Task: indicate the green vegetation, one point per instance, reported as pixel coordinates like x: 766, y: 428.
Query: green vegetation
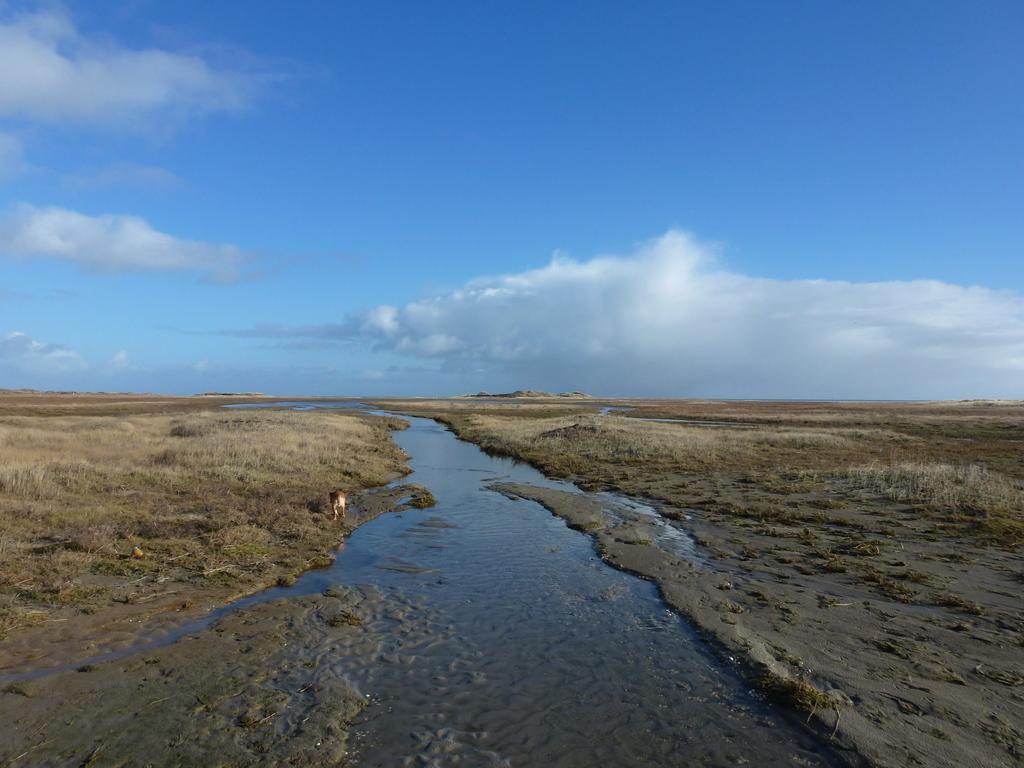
x: 345, y: 618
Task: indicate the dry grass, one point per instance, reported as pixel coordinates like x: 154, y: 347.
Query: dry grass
x: 213, y: 498
x: 567, y: 444
x: 964, y: 487
x: 931, y: 455
x: 990, y: 502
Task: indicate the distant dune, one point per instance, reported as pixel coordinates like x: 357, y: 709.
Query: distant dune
x: 230, y: 394
x: 522, y: 393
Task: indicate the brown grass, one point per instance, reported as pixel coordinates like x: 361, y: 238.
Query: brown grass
x: 796, y: 693
x: 213, y: 498
x: 991, y: 503
x: 959, y: 463
x: 566, y: 444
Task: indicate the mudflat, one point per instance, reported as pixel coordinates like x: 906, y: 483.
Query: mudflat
x: 862, y: 561
x: 268, y: 685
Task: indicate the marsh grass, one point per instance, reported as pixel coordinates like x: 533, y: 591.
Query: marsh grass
x: 989, y: 503
x: 793, y: 450
x: 221, y: 498
x: 568, y: 444
x: 422, y: 499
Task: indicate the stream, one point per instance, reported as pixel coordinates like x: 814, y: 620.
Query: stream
x: 539, y: 654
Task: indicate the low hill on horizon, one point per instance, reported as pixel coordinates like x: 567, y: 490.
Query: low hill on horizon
x: 526, y: 393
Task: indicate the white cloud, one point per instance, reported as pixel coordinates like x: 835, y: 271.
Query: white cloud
x: 382, y: 320
x: 23, y: 354
x: 50, y: 71
x: 668, y: 320
x: 110, y: 243
x: 120, y: 359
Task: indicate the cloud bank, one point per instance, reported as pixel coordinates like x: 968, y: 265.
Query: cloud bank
x: 668, y: 320
x: 110, y: 243
x: 22, y: 354
x: 49, y: 71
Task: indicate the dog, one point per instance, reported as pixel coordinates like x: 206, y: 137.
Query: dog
x: 338, y: 504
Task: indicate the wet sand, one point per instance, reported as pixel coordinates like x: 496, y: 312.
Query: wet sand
x: 263, y: 687
x: 862, y: 560
x: 900, y: 684
x: 258, y: 681
x: 545, y: 655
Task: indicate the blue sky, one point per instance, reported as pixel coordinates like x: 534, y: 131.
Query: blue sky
x: 805, y: 199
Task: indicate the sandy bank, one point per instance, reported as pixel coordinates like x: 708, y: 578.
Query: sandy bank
x: 122, y: 625
x: 894, y: 682
x: 272, y: 684
x: 264, y: 686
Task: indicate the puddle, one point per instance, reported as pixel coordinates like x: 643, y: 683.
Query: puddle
x: 613, y: 408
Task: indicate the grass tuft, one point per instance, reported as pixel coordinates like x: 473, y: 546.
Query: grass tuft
x: 795, y: 692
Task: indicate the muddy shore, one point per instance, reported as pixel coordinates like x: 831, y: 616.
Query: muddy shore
x: 85, y: 636
x: 245, y: 690
x: 892, y: 682
x: 243, y: 693
x: 864, y: 561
